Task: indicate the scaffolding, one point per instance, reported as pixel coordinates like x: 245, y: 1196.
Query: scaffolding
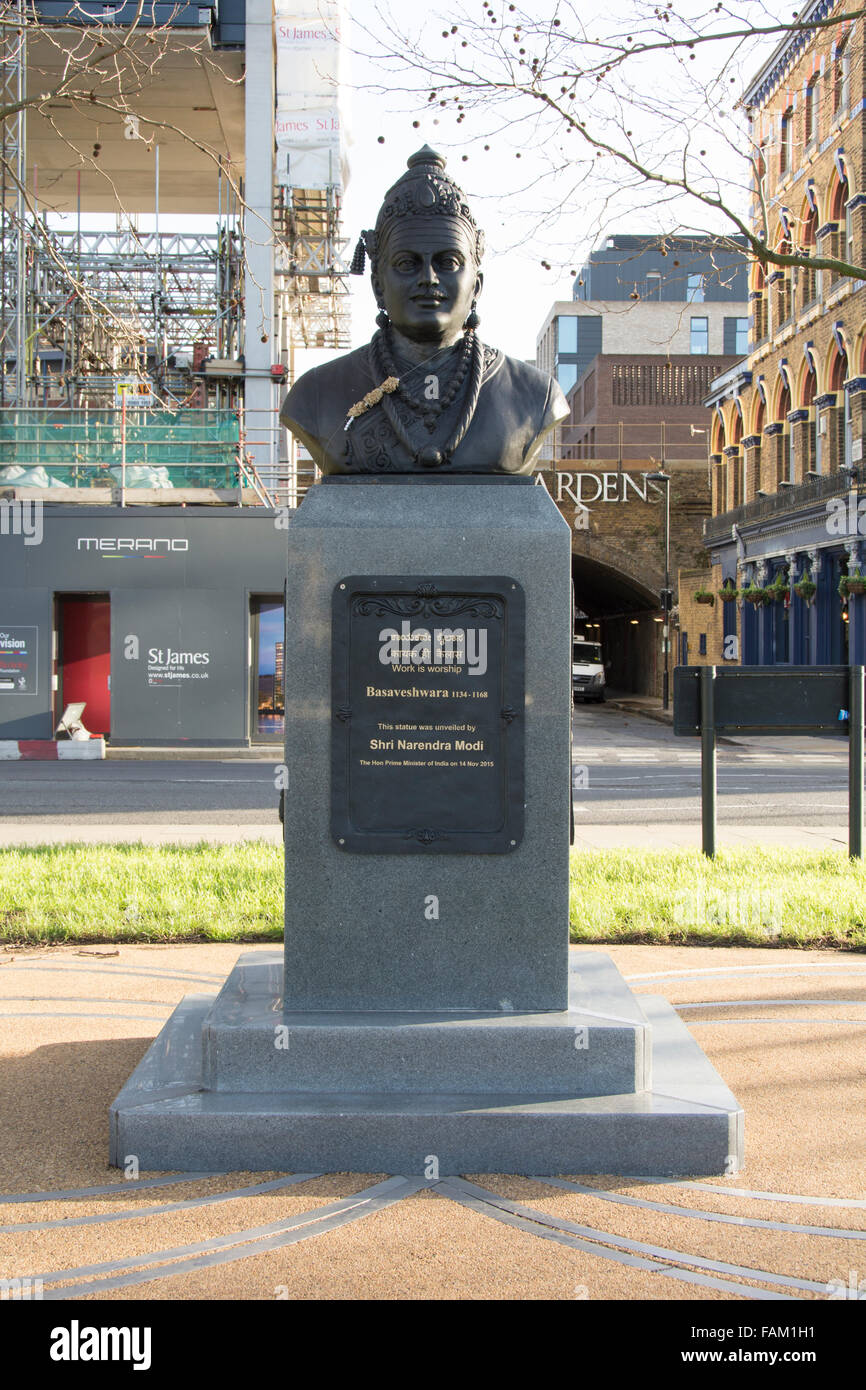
x: 83, y: 306
x: 311, y: 267
x: 13, y: 250
x: 90, y: 316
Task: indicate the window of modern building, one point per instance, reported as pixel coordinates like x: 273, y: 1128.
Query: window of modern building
x: 569, y: 335
x: 736, y: 336
x: 566, y: 335
x: 566, y: 375
x: 695, y: 289
x: 700, y: 336
x: 654, y: 285
x: 810, y: 114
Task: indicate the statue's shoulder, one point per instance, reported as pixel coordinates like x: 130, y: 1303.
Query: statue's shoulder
x: 340, y: 374
x: 316, y: 407
x: 537, y: 389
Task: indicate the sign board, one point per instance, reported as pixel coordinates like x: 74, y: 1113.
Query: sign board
x: 764, y: 699
x: 427, y: 715
x: 18, y: 652
x: 137, y: 393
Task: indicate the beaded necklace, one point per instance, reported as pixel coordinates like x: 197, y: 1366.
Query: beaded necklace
x: 429, y: 410
x: 471, y: 362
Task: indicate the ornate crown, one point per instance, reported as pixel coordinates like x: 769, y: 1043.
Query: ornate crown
x: 424, y: 190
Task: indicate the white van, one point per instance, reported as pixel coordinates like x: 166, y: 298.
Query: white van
x: 587, y: 670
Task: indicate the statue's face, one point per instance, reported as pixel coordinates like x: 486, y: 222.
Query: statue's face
x: 427, y: 278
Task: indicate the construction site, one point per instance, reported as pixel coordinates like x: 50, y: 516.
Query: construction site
x: 170, y: 246
x: 159, y: 268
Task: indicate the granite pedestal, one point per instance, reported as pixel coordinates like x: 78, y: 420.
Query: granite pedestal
x: 390, y: 1032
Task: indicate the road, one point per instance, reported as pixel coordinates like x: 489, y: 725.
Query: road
x: 629, y: 770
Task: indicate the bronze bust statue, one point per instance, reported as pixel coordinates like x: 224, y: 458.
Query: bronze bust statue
x: 425, y: 395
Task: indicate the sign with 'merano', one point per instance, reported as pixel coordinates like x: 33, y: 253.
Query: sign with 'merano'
x: 428, y: 715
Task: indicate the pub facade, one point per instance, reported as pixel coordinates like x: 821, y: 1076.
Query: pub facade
x: 787, y: 534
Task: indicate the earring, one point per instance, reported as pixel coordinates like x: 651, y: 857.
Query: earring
x: 382, y: 319
x: 473, y: 320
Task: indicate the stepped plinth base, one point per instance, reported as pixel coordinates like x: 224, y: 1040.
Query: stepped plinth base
x: 236, y: 1082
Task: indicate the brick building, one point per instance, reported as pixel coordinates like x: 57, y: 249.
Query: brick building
x: 789, y: 421
x: 652, y: 324
x: 627, y: 407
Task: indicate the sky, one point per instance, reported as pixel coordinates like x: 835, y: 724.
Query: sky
x: 526, y: 222
x: 518, y: 290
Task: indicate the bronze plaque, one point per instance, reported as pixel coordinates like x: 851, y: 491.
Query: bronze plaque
x: 428, y: 714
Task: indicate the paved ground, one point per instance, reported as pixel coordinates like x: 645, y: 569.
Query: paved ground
x: 784, y: 1028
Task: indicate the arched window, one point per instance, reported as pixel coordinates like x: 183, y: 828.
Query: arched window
x: 717, y: 444
x: 840, y: 429
x: 786, y: 141
x: 785, y: 450
x: 758, y: 298
x: 810, y: 109
x: 811, y: 439
x: 808, y: 284
x: 841, y: 76
x: 781, y: 280
x: 757, y: 449
x: 735, y: 461
x: 840, y: 215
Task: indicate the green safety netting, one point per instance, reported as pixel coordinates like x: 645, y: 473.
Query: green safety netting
x: 84, y: 448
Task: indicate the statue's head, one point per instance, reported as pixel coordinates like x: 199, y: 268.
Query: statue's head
x: 425, y: 253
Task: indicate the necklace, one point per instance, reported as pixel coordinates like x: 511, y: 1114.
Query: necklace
x: 471, y: 362
x: 431, y: 408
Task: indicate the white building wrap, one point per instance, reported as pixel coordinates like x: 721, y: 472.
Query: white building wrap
x: 310, y: 93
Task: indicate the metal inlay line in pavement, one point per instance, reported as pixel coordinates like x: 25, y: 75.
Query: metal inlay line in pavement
x: 130, y: 1185
x: 44, y: 1013
x: 781, y: 971
x: 783, y: 1003
x: 135, y: 1213
x: 857, y: 1202
x: 618, y: 1248
x: 81, y: 999
x: 724, y: 1022
x: 122, y: 970
x: 223, y: 1249
x: 691, y: 1214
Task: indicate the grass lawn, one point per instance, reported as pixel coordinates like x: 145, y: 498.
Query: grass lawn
x: 109, y: 893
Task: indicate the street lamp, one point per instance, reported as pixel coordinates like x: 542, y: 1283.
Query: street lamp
x: 666, y: 591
